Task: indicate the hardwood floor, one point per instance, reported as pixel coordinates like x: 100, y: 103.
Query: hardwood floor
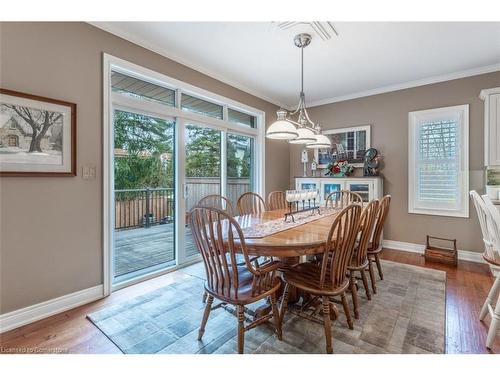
x: 466, y: 289
x: 70, y: 332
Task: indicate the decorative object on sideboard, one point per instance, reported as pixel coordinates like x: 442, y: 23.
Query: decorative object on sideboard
x: 339, y: 168
x: 302, y: 130
x: 304, y: 158
x: 37, y: 135
x: 295, y: 197
x: 441, y: 254
x: 372, y: 162
x: 346, y: 144
x: 314, y: 167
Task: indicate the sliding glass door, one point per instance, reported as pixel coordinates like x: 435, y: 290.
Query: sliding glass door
x: 202, y: 172
x: 167, y: 145
x: 240, y: 171
x: 144, y: 194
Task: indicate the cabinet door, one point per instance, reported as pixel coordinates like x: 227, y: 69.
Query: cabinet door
x: 329, y: 186
x: 306, y: 184
x: 363, y: 188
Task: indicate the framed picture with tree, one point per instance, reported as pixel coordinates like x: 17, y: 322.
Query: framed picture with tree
x: 37, y: 135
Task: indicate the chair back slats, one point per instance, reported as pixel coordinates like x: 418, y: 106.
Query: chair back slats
x: 366, y: 227
x: 339, y: 247
x: 489, y: 223
x: 217, y: 201
x: 276, y: 200
x: 493, y: 224
x: 209, y: 228
x: 383, y: 211
x: 219, y: 238
x: 251, y: 203
x: 343, y: 198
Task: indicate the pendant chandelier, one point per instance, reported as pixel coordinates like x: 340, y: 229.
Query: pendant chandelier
x: 303, y: 130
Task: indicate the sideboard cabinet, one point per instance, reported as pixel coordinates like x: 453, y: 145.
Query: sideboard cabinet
x: 368, y: 187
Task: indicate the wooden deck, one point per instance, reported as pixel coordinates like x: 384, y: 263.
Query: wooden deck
x: 141, y: 248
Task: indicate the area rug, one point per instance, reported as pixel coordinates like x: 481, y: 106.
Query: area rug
x: 407, y: 315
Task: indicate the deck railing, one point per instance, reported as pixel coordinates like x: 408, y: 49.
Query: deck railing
x: 151, y: 206
x: 143, y: 207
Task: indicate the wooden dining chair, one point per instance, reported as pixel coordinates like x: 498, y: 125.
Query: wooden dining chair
x: 217, y: 201
x: 343, y: 198
x: 375, y: 246
x: 251, y: 203
x: 489, y: 220
x: 360, y: 262
x: 276, y: 200
x: 216, y: 234
x: 328, y: 278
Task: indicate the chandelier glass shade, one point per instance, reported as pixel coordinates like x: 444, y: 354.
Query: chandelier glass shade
x: 322, y: 141
x: 281, y: 128
x: 305, y: 136
x: 303, y: 130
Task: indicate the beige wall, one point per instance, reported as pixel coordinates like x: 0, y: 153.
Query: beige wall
x: 50, y: 228
x: 388, y: 115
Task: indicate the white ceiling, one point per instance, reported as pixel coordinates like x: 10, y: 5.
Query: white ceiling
x: 366, y: 58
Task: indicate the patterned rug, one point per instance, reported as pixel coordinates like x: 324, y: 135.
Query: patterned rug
x: 407, y: 315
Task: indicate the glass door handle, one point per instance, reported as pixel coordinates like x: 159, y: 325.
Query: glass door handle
x: 185, y: 190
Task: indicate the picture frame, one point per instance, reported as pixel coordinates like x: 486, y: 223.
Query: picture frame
x: 350, y: 143
x: 37, y: 135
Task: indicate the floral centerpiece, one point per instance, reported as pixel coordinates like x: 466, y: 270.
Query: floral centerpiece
x: 339, y: 168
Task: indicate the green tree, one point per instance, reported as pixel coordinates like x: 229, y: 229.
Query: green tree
x: 141, y: 141
x: 144, y: 139
x: 202, y: 152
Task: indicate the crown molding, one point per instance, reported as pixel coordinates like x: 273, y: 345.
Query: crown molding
x: 161, y: 51
x: 379, y: 90
x: 409, y: 84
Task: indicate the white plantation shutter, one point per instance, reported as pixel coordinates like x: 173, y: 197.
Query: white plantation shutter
x: 438, y: 161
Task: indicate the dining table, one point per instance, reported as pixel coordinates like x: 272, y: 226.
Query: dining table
x: 288, y: 242
x: 303, y: 239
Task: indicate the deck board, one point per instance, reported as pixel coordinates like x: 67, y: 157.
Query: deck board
x: 140, y: 248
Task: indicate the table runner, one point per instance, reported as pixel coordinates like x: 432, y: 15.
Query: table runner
x: 279, y: 225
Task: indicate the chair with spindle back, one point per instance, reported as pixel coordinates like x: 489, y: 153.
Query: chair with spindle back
x: 342, y: 198
x: 251, y: 203
x: 328, y: 278
x: 217, y: 201
x: 360, y: 262
x: 489, y: 220
x: 219, y: 238
x: 222, y: 203
x: 375, y: 246
x: 276, y: 200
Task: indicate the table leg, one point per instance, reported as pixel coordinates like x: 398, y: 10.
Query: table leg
x: 293, y: 294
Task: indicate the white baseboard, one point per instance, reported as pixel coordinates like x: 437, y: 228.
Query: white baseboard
x: 48, y: 308
x: 470, y: 256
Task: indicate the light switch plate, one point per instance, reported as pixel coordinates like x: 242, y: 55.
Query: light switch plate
x: 88, y: 172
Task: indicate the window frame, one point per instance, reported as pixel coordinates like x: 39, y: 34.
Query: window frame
x: 113, y: 100
x: 414, y: 119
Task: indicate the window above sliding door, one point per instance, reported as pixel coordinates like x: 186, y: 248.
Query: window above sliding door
x: 438, y: 168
